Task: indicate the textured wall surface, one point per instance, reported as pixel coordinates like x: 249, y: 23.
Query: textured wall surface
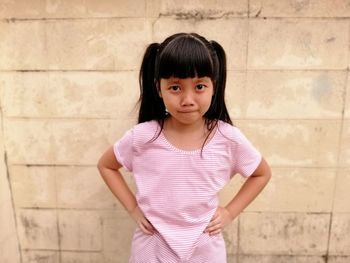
x: 68, y: 87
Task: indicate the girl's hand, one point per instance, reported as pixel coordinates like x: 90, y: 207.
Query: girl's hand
x: 221, y: 219
x: 142, y: 221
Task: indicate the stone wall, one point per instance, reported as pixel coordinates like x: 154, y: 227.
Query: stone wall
x: 68, y: 87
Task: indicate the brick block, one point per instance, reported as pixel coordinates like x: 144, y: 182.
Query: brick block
x: 312, y: 191
x: 235, y: 94
x: 17, y: 42
x: 295, y: 94
x: 344, y: 158
x: 33, y: 186
x: 82, y: 187
x: 114, y: 257
x: 347, y: 102
x: 9, y: 249
x: 38, y: 9
x: 81, y: 257
x: 298, y: 44
x: 84, y: 141
x: 339, y: 259
x: 235, y: 47
x: 340, y: 241
x: 38, y: 256
x: 28, y: 141
x: 341, y: 195
x: 118, y: 230
x: 93, y: 94
x: 22, y: 9
x: 287, y: 143
x: 27, y: 94
x: 102, y: 44
x: 204, y: 9
x: 280, y: 259
x: 230, y: 234
x: 61, y: 141
x: 37, y: 229
x: 291, y: 8
x: 2, y: 84
x: 115, y: 8
x: 80, y: 230
x: 153, y: 8
x: 229, y: 191
x: 84, y: 95
x: 283, y: 233
x: 232, y: 258
x: 65, y: 9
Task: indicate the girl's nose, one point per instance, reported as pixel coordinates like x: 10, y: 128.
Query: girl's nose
x: 187, y: 99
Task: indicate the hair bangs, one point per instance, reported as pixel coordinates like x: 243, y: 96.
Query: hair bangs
x: 185, y: 57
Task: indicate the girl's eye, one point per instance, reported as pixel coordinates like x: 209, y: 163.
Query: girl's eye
x: 174, y: 88
x: 200, y: 87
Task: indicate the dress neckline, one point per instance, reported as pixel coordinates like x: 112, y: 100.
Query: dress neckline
x: 195, y: 151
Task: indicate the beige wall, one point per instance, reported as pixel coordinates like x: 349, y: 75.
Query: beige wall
x: 68, y: 85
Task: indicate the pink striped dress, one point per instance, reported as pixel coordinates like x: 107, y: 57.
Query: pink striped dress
x: 178, y: 190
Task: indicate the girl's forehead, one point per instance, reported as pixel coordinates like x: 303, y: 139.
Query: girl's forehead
x: 194, y: 79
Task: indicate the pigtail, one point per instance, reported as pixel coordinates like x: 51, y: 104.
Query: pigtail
x: 218, y: 107
x: 151, y: 105
x: 221, y: 67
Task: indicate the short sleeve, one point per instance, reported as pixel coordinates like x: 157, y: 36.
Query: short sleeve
x: 123, y: 150
x: 247, y: 157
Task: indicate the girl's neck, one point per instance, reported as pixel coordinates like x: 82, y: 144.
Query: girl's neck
x: 175, y: 126
x: 186, y: 137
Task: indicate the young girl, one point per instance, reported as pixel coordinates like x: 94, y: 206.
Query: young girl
x: 182, y: 152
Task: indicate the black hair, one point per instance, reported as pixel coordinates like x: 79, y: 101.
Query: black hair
x: 182, y: 55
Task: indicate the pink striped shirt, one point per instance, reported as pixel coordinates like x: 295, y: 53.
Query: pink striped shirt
x: 178, y: 190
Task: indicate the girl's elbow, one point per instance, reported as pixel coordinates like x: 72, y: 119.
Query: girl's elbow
x: 100, y: 165
x: 106, y: 163
x: 266, y: 169
x: 269, y: 175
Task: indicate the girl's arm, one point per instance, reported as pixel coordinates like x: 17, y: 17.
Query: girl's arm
x: 109, y: 170
x: 248, y: 192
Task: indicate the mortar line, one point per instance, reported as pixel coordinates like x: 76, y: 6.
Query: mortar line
x: 341, y: 130
x: 244, y: 108
x: 67, y: 70
x: 54, y: 170
x: 298, y: 255
x: 64, y: 250
x: 94, y: 166
x: 153, y: 21
x: 247, y: 211
x: 73, y: 19
x: 340, y: 134
x: 81, y: 209
x: 287, y: 70
x: 57, y: 219
x: 84, y: 118
x: 14, y: 213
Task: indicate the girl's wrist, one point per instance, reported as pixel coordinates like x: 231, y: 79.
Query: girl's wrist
x: 132, y: 210
x: 230, y: 214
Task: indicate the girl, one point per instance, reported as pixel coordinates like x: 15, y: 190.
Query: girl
x: 182, y: 152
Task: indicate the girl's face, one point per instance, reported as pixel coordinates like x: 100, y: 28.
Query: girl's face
x: 187, y: 100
